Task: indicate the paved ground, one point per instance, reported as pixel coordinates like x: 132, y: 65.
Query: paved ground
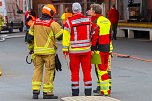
x: 131, y: 78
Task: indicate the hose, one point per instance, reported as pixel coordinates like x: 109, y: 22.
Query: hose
x: 129, y: 56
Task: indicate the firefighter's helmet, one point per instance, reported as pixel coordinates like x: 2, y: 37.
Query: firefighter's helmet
x: 49, y: 9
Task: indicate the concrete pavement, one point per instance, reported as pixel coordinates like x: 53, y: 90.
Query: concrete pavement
x: 131, y: 78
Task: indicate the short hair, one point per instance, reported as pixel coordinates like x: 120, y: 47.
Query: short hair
x: 97, y: 8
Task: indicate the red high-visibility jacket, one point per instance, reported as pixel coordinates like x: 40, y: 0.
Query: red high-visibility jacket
x: 76, y: 34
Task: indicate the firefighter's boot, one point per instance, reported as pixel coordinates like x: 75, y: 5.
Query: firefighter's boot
x: 49, y: 96
x: 36, y: 94
x: 97, y: 90
x: 75, y: 92
x: 88, y: 92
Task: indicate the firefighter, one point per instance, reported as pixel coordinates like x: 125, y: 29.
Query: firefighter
x: 30, y: 18
x: 76, y: 43
x: 43, y: 33
x: 101, y: 38
x: 66, y: 15
x: 1, y: 22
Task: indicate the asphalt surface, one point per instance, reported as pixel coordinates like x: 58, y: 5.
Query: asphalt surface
x: 131, y: 78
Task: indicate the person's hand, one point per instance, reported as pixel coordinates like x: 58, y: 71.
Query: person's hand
x: 66, y: 53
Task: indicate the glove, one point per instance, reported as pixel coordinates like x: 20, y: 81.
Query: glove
x: 31, y: 52
x: 58, y: 65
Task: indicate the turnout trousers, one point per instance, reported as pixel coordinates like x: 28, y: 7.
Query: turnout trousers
x: 39, y: 62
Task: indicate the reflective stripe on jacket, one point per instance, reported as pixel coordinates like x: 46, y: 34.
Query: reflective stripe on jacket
x: 76, y: 34
x: 45, y: 32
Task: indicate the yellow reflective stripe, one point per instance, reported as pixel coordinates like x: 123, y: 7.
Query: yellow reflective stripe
x: 30, y: 46
x: 42, y: 50
x: 101, y: 72
x: 105, y: 82
x: 48, y: 88
x: 64, y: 49
x: 77, y: 49
x: 59, y: 33
x: 104, y: 85
x: 32, y: 56
x: 104, y: 25
x: 31, y: 32
x: 49, y: 39
x: 111, y: 47
x: 80, y: 51
x: 36, y: 85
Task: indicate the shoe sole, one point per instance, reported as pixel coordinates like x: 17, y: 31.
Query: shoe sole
x: 50, y: 97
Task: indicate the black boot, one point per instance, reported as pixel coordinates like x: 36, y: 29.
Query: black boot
x: 88, y: 92
x: 75, y: 92
x: 48, y: 96
x: 36, y: 94
x: 97, y: 90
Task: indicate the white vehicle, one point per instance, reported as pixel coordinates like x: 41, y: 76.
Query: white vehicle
x: 12, y: 15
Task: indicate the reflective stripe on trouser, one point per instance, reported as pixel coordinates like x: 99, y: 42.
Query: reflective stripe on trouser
x: 109, y: 71
x: 88, y: 84
x: 39, y: 62
x: 75, y: 88
x: 84, y: 59
x: 88, y: 88
x: 103, y: 74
